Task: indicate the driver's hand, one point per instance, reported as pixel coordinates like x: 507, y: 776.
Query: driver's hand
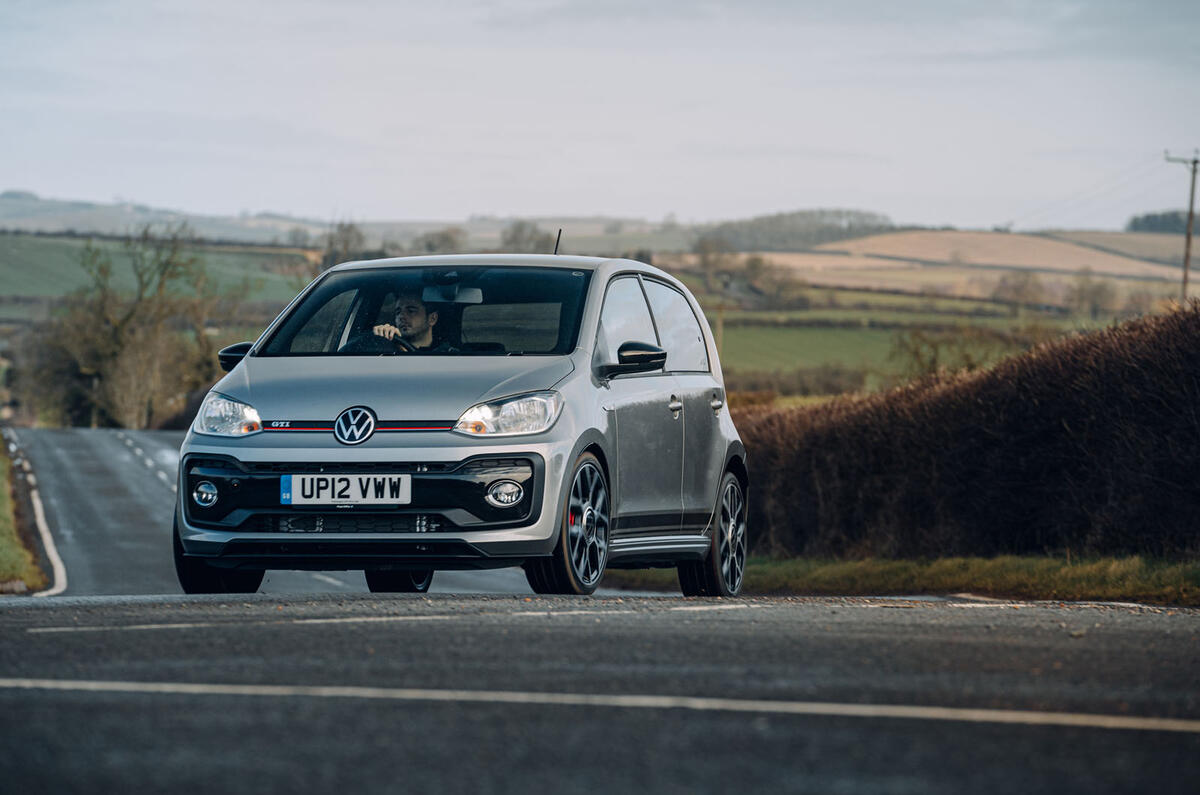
x: 387, y: 331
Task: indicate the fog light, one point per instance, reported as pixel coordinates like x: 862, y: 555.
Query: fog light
x: 205, y: 494
x: 504, y: 493
x: 427, y: 524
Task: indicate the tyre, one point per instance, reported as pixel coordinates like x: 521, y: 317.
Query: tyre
x: 579, y: 557
x: 196, y: 576
x: 389, y: 581
x: 720, y: 574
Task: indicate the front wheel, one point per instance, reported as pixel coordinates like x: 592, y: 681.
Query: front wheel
x: 387, y: 581
x: 581, y: 553
x: 720, y: 574
x: 196, y: 576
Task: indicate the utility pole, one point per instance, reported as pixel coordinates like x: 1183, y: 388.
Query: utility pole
x: 1187, y: 245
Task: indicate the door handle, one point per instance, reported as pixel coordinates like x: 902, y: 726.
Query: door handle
x: 676, y: 405
x: 716, y: 403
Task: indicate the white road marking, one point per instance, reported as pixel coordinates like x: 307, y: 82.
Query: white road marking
x: 133, y: 627
x: 163, y: 476
x: 707, y: 607
x: 148, y: 463
x: 370, y: 619
x: 137, y: 451
x: 325, y: 578
x: 552, y: 613
x: 205, y: 624
x: 31, y: 480
x: 58, y: 570
x: 806, y: 708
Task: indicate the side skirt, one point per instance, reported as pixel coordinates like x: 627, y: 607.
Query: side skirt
x: 651, y: 551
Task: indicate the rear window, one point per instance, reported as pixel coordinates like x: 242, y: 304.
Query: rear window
x: 446, y: 311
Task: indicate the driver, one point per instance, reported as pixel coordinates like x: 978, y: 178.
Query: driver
x: 413, y: 323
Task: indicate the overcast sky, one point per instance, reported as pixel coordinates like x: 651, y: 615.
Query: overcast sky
x: 1043, y: 112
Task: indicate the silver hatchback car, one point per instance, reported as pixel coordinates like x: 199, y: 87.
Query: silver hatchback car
x: 400, y: 416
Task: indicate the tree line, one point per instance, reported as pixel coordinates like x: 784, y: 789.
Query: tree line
x: 1171, y: 221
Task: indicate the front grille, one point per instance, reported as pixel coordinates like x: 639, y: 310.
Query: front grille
x: 346, y: 523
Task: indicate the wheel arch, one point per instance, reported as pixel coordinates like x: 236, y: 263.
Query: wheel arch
x: 592, y: 442
x: 735, y: 462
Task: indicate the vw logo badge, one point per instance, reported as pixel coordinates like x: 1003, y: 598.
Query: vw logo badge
x: 354, y: 425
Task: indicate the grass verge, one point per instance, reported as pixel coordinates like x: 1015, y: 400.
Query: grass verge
x: 1128, y: 579
x: 16, y: 561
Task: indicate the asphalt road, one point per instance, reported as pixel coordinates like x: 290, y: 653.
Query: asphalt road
x: 109, y: 500
x: 299, y: 690
x: 533, y: 694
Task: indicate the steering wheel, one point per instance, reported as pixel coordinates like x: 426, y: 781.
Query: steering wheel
x: 369, y: 342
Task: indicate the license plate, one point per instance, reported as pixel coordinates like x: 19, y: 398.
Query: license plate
x: 345, y: 489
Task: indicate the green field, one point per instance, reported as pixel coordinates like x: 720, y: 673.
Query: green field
x: 761, y: 348
x: 49, y: 267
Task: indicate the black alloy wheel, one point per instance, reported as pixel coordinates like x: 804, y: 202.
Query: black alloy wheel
x: 722, y: 572
x: 403, y: 581
x: 581, y: 553
x: 196, y: 576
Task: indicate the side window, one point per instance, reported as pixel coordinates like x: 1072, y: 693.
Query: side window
x: 624, y: 318
x: 680, y: 331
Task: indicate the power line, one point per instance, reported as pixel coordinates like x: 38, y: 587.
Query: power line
x: 1119, y: 180
x: 1107, y: 184
x: 1130, y: 197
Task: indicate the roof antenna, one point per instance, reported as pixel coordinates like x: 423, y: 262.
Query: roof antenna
x: 558, y: 240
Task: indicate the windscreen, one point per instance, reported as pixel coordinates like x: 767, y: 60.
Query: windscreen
x: 445, y: 311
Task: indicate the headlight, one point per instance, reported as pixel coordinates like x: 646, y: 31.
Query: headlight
x: 532, y: 413
x: 222, y: 416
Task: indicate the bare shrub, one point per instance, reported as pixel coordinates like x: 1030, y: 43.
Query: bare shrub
x: 451, y: 240
x: 1090, y: 296
x: 127, y: 348
x: 713, y: 256
x: 524, y: 237
x: 1019, y: 288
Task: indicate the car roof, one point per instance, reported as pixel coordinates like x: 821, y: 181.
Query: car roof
x: 497, y: 260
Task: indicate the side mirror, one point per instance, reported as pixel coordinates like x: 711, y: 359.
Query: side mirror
x: 229, y: 357
x: 635, y: 357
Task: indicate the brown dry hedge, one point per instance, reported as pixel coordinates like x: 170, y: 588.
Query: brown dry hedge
x: 1090, y: 444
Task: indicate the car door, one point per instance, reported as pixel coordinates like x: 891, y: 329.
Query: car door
x: 648, y: 420
x: 702, y: 396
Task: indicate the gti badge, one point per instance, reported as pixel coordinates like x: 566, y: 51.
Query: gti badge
x: 354, y: 425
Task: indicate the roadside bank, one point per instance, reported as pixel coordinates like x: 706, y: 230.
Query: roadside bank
x: 1115, y: 579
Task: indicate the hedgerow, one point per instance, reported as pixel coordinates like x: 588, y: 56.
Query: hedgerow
x: 1090, y: 443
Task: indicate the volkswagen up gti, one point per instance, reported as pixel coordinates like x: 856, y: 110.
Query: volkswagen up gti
x: 401, y: 416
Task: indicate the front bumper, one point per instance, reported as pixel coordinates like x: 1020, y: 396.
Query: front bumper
x: 447, y: 525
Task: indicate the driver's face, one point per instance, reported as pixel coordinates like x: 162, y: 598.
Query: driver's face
x: 411, y: 317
